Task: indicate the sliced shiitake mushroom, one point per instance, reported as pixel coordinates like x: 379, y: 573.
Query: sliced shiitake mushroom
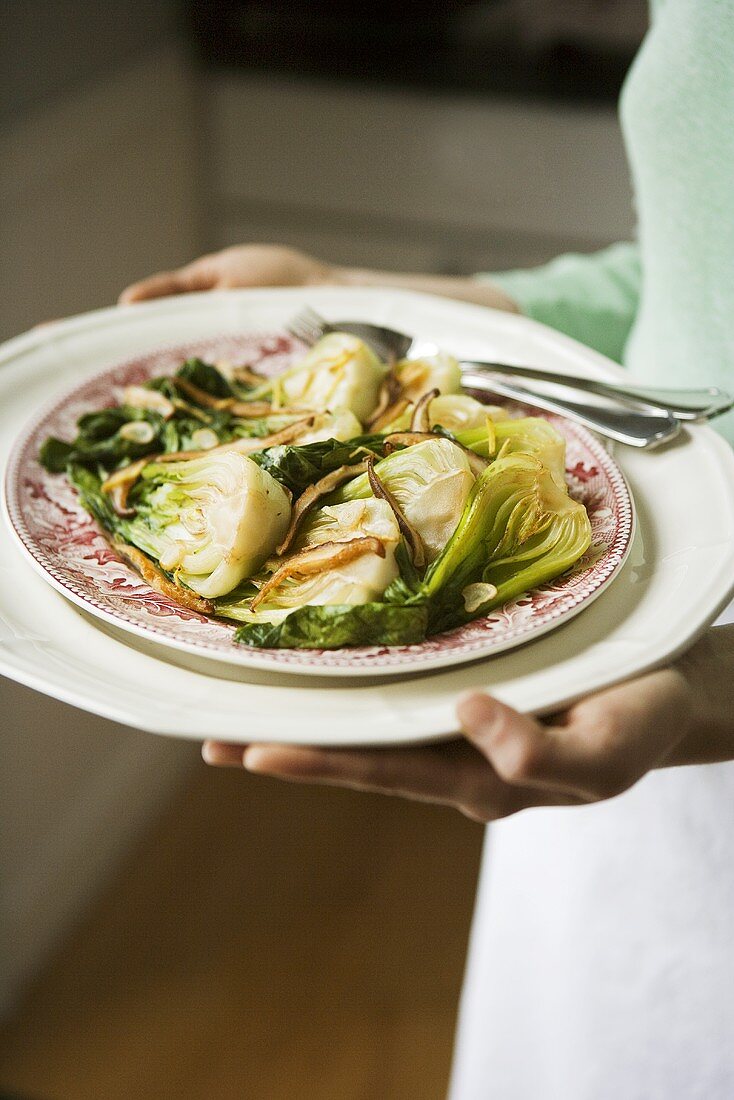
x: 409, y: 533
x: 244, y: 409
x: 390, y: 414
x: 420, y: 420
x: 390, y: 391
x: 251, y: 410
x: 406, y: 439
x: 246, y: 376
x: 201, y: 397
x: 314, y: 493
x: 158, y: 580
x: 191, y: 410
x: 318, y: 559
x: 119, y: 484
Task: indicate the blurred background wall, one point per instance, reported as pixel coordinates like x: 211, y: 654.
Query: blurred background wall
x: 98, y: 153
x: 450, y: 137
x: 453, y: 137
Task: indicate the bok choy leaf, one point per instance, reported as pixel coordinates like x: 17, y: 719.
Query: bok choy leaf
x: 331, y: 627
x: 211, y: 521
x: 297, y: 467
x: 519, y: 529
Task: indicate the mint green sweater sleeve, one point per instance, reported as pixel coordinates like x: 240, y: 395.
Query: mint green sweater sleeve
x: 593, y: 298
x: 666, y: 305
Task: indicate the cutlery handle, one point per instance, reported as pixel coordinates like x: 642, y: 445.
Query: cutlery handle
x: 625, y: 426
x: 683, y: 404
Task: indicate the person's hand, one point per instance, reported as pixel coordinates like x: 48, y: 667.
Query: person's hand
x: 253, y: 265
x: 245, y: 265
x: 508, y: 762
x: 595, y: 750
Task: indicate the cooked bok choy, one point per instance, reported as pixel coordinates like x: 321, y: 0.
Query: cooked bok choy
x: 430, y: 481
x: 355, y: 563
x: 418, y: 376
x: 528, y: 435
x: 329, y: 594
x: 210, y: 521
x: 344, y: 502
x: 518, y: 530
x: 339, y: 372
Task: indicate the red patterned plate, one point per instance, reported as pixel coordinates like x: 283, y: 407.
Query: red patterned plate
x: 66, y: 546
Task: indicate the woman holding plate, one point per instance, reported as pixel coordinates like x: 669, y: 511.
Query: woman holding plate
x: 602, y: 958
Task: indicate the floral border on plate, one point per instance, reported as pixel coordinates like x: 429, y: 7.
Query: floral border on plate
x: 67, y: 545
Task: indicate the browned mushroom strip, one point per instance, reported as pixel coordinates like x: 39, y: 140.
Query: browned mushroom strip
x: 126, y: 475
x: 118, y: 497
x: 252, y: 409
x: 230, y: 404
x: 477, y: 464
x: 288, y: 434
x: 390, y: 391
x: 390, y: 414
x: 408, y: 439
x: 409, y: 533
x: 119, y: 484
x: 248, y: 377
x: 157, y: 580
x: 315, y: 492
x: 201, y: 397
x: 191, y: 410
x: 420, y: 421
x: 248, y: 445
x: 318, y: 559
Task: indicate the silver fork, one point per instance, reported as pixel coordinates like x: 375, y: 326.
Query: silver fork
x: 684, y: 404
x: 646, y: 428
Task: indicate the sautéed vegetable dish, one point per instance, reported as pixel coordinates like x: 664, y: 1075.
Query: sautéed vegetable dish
x: 344, y: 502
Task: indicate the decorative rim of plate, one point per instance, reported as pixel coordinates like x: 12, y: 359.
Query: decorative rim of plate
x: 595, y: 478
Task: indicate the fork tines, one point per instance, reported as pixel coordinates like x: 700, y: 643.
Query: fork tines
x: 308, y: 326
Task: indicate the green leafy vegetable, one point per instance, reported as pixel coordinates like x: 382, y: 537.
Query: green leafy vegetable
x: 486, y: 532
x: 332, y: 627
x: 205, y: 377
x: 88, y: 485
x: 431, y: 482
x: 55, y: 455
x: 209, y: 521
x: 298, y: 467
x: 99, y: 440
x: 519, y: 530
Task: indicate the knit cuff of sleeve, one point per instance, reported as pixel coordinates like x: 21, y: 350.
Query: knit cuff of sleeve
x: 592, y: 298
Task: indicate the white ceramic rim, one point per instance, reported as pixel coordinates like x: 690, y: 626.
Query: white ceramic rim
x: 639, y: 624
x: 403, y: 660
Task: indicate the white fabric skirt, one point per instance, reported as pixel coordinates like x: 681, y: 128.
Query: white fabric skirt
x: 601, y: 962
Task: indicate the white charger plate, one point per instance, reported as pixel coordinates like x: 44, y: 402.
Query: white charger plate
x: 678, y: 576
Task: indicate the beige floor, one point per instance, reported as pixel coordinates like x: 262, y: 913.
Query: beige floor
x: 266, y: 941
